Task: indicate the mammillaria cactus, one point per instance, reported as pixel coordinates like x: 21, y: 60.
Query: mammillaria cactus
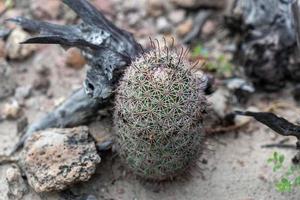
x: 159, y: 109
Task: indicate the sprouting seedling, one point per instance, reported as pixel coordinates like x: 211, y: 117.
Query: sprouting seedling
x: 289, y: 178
x: 277, y: 161
x: 283, y: 127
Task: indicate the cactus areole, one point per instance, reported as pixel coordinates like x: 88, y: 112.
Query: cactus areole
x: 159, y: 108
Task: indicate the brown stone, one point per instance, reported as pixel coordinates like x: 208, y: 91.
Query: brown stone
x: 184, y: 28
x: 75, y: 59
x: 55, y: 159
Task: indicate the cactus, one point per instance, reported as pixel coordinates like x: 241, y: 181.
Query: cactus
x: 159, y: 107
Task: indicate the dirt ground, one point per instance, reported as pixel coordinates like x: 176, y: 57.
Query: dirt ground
x: 232, y: 167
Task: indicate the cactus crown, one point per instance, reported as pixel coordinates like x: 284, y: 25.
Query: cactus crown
x: 158, y: 115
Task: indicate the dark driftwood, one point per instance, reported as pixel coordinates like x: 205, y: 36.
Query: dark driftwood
x: 108, y: 51
x: 268, y: 41
x: 279, y: 125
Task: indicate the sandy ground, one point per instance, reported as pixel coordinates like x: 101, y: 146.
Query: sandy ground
x: 236, y: 166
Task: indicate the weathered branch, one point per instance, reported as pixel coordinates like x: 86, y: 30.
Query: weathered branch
x: 107, y: 48
x: 267, y: 41
x: 108, y: 51
x: 277, y: 124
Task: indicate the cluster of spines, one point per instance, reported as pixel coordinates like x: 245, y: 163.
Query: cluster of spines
x: 163, y: 127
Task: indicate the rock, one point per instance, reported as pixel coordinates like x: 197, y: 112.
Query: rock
x: 134, y: 18
x: 209, y: 28
x: 194, y: 4
x: 14, y: 49
x: 163, y: 25
x: 11, y: 110
x: 55, y: 159
x: 177, y: 16
x: 219, y: 101
x: 155, y: 8
x: 75, y: 59
x: 132, y: 5
x: 184, y: 28
x: 17, y: 187
x: 42, y: 9
x: 7, y: 82
x: 23, y: 92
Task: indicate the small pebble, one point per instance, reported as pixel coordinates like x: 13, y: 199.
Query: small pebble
x: 14, y: 49
x: 11, y: 110
x: 163, y: 25
x: 17, y: 187
x: 184, y: 28
x: 74, y: 59
x: 177, y: 16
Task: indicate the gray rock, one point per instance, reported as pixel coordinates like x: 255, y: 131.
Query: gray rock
x: 220, y: 102
x: 177, y: 16
x: 11, y: 110
x: 17, y: 187
x: 7, y: 83
x: 163, y: 25
x: 55, y: 159
x: 134, y: 18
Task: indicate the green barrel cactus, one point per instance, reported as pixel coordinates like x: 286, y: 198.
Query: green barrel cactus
x: 159, y: 107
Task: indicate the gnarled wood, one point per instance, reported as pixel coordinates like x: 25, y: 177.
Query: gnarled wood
x: 267, y: 43
x: 108, y: 50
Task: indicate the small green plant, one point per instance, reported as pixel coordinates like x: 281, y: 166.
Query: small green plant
x: 215, y: 62
x: 290, y: 177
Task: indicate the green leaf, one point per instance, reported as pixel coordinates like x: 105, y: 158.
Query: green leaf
x: 297, y: 181
x: 281, y: 159
x: 284, y: 185
x: 275, y: 156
